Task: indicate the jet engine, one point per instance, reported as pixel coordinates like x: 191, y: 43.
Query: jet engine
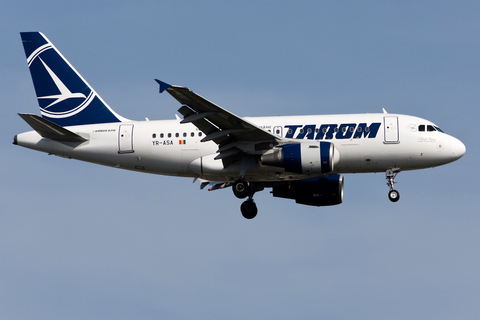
x: 316, y: 157
x: 324, y: 191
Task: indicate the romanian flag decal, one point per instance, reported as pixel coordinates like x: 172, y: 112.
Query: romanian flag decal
x: 182, y: 142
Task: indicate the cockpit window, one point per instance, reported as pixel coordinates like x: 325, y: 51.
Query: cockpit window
x: 429, y: 128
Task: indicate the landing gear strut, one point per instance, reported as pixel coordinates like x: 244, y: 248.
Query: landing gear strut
x: 393, y: 194
x: 243, y: 189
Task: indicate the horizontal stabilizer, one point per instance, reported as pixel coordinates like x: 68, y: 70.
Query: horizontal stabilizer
x: 50, y: 130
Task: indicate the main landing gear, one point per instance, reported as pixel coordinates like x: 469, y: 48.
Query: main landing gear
x: 393, y: 194
x: 242, y: 189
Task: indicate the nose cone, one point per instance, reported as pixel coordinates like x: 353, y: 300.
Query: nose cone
x: 458, y: 149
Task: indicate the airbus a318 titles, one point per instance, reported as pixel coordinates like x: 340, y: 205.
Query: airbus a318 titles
x: 298, y: 157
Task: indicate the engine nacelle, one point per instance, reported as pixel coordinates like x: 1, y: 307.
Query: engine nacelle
x: 324, y: 191
x: 315, y: 157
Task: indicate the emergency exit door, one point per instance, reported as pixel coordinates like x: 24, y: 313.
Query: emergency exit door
x: 390, y: 125
x: 125, y: 138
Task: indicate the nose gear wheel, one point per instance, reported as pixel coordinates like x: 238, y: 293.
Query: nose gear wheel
x: 394, y: 195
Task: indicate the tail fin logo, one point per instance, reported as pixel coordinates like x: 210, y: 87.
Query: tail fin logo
x: 64, y: 96
x: 64, y: 92
x: 64, y: 104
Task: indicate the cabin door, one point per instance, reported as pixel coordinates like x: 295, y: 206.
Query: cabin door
x: 125, y: 138
x: 391, y: 129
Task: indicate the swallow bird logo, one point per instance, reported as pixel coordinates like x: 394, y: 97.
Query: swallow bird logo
x: 65, y: 93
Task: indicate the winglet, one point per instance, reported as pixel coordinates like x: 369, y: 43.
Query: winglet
x: 163, y: 85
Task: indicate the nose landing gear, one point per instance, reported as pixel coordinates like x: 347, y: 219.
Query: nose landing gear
x: 393, y: 194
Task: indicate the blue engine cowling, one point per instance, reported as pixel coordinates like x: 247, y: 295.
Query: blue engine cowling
x: 303, y: 158
x: 324, y: 191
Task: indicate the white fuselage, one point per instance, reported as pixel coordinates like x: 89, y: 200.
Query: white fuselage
x: 363, y: 143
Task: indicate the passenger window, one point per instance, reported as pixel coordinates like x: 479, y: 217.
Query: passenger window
x: 184, y: 134
x: 169, y: 135
x: 192, y: 134
x: 430, y: 128
x: 176, y: 135
x: 154, y: 135
x: 161, y: 135
x: 199, y: 134
x: 421, y: 127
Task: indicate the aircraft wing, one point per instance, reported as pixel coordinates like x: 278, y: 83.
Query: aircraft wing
x: 233, y: 134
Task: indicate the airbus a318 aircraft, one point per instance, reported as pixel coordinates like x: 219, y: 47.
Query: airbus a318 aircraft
x: 298, y: 157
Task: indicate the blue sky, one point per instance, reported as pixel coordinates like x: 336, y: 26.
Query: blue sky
x: 83, y: 241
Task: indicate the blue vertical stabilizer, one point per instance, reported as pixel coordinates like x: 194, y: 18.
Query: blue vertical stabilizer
x: 64, y: 97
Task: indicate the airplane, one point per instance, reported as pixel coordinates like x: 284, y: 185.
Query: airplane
x: 299, y: 157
